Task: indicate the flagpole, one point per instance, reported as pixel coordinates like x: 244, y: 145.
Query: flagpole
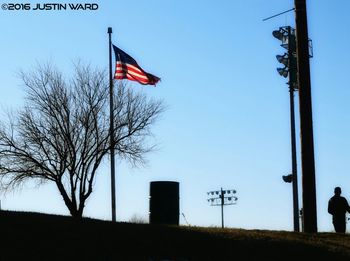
x: 111, y: 126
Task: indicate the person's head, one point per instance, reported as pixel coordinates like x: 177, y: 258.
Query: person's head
x: 337, y: 191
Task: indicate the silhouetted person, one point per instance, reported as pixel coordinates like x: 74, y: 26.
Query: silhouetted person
x: 337, y: 207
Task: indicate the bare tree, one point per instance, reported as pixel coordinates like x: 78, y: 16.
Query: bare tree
x: 62, y: 133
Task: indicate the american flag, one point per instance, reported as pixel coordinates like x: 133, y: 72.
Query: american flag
x: 127, y: 68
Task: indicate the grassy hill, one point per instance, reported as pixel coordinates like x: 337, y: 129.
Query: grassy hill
x: 33, y: 236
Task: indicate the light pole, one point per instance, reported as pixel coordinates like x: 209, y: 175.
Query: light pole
x: 221, y: 198
x: 286, y: 35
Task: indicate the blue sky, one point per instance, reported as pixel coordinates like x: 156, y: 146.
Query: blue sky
x: 227, y: 122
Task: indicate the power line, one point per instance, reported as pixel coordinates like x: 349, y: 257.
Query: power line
x: 278, y: 14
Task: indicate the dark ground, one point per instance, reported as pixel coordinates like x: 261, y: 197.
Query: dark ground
x: 33, y: 236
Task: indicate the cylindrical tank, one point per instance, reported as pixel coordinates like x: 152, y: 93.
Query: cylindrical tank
x: 164, y: 202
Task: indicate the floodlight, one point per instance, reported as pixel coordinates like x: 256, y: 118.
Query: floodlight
x: 288, y: 178
x: 282, y: 59
x: 283, y: 72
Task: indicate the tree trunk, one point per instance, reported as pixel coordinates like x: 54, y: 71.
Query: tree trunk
x: 74, y: 211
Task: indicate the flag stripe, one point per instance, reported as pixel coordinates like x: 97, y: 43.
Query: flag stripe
x: 130, y: 66
x: 130, y: 76
x: 130, y: 69
x: 126, y: 71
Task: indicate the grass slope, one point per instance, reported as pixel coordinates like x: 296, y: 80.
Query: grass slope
x: 33, y: 236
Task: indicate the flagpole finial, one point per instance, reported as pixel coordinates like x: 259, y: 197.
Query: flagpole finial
x: 109, y: 30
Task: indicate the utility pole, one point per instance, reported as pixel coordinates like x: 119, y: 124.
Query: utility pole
x: 306, y: 128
